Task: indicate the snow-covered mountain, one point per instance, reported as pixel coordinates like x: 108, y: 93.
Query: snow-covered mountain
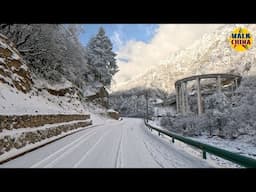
x: 210, y: 54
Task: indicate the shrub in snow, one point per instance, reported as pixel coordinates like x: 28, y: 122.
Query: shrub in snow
x: 217, y: 102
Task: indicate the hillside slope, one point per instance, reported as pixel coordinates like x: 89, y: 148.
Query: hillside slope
x: 23, y: 93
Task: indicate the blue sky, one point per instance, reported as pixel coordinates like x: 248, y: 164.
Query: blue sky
x: 119, y: 34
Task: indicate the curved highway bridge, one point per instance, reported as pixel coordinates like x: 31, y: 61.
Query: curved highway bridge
x: 222, y: 80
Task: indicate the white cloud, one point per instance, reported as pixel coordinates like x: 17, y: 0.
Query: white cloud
x: 118, y: 37
x: 117, y: 40
x: 168, y: 38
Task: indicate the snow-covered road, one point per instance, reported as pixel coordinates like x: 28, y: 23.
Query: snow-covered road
x: 116, y: 144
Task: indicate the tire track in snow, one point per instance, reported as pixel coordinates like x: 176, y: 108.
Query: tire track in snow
x: 69, y: 150
x: 152, y: 155
x: 169, y: 162
x: 119, y: 158
x: 62, y: 149
x: 167, y: 158
x: 91, y: 149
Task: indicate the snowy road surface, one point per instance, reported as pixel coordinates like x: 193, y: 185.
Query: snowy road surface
x: 116, y: 144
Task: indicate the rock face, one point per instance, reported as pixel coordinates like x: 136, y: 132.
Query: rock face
x: 100, y: 96
x: 13, y: 69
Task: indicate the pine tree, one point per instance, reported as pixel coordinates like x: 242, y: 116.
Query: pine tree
x: 101, y: 57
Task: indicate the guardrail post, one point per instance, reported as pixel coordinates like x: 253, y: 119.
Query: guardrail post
x: 159, y: 133
x: 173, y: 139
x: 204, y: 154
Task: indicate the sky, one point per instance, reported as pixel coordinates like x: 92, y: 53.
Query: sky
x: 141, y: 46
x: 119, y: 34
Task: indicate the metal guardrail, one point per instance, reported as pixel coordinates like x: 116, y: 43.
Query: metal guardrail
x: 231, y: 156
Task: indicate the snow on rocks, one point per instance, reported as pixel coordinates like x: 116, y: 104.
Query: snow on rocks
x: 13, y: 69
x: 113, y: 114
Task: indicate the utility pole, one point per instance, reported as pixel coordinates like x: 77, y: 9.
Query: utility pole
x: 147, y: 106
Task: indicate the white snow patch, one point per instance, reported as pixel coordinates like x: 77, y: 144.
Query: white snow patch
x: 57, y: 86
x: 2, y: 60
x: 24, y: 67
x: 111, y: 111
x: 13, y: 102
x: 3, y: 45
x: 157, y: 101
x: 3, y: 68
x: 16, y: 77
x: 89, y: 92
x: 15, y: 56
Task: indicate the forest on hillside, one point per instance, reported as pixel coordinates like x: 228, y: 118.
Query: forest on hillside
x: 53, y: 52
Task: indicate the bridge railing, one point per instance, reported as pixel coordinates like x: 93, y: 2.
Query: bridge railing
x: 230, y: 156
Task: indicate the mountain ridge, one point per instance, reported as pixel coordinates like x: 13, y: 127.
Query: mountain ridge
x: 209, y: 54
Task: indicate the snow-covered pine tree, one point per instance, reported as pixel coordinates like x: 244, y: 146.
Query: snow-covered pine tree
x: 101, y: 57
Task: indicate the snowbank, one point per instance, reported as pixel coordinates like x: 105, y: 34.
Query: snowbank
x: 14, y: 102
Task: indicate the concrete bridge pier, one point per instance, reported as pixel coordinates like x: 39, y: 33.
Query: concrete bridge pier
x: 218, y: 84
x: 199, y: 97
x: 186, y: 98
x: 178, y: 99
x: 183, y: 109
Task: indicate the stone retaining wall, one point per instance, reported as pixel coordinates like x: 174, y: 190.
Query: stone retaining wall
x: 24, y: 121
x: 9, y: 142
